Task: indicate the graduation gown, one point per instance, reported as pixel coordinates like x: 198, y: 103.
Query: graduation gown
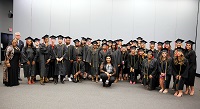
x: 78, y: 67
x: 124, y: 62
x: 37, y: 62
x: 102, y: 55
x: 52, y: 63
x: 94, y: 60
x: 28, y: 54
x: 70, y: 56
x: 44, y: 55
x: 181, y: 70
x: 78, y: 51
x: 60, y: 51
x: 165, y: 67
x: 191, y: 57
x: 132, y: 60
x: 150, y: 68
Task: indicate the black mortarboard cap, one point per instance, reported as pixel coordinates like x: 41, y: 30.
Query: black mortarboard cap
x: 167, y: 42
x: 45, y: 36
x: 190, y: 42
x: 179, y: 40
x: 53, y: 37
x: 29, y: 38
x: 36, y: 39
x: 76, y: 40
x: 152, y: 42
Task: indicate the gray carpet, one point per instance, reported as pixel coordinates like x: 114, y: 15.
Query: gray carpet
x: 87, y: 95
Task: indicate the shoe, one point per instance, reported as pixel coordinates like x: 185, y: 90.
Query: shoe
x: 42, y: 83
x: 161, y: 90
x: 134, y: 82
x: 63, y: 82
x: 55, y: 81
x: 107, y: 81
x: 74, y: 80
x: 32, y: 81
x: 100, y: 80
x: 165, y: 91
x: 131, y: 82
x: 69, y: 79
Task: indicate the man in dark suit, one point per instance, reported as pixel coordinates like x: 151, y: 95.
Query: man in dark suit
x: 20, y: 45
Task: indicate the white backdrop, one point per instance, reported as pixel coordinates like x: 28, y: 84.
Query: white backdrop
x: 157, y: 20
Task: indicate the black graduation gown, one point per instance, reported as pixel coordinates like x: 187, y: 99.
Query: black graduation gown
x: 94, y: 60
x: 37, y: 62
x: 102, y: 55
x: 191, y: 57
x: 45, y: 54
x: 165, y: 67
x: 28, y: 54
x: 78, y: 51
x: 139, y: 65
x: 52, y: 63
x: 70, y: 56
x: 124, y: 62
x: 60, y: 51
x: 132, y: 60
x: 150, y: 68
x: 182, y: 70
x: 78, y: 67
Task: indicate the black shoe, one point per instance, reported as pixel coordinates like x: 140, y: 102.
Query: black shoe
x: 19, y: 79
x: 63, y: 82
x: 74, y: 80
x: 42, y: 83
x: 55, y: 81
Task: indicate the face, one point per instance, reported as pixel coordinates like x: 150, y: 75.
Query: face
x: 17, y: 37
x: 60, y: 41
x: 149, y: 55
x: 53, y: 41
x: 29, y: 42
x: 46, y: 40
x: 128, y: 47
x: 14, y: 43
x: 37, y: 43
x: 141, y: 52
x: 134, y: 44
x: 179, y: 44
x: 79, y: 58
x: 108, y: 59
x: 95, y: 46
x: 159, y: 47
x: 120, y: 43
x: 67, y: 41
x: 83, y: 42
x: 104, y: 47
x: 152, y: 45
x: 167, y: 46
x: 142, y: 45
x: 113, y: 46
x: 132, y: 51
x: 124, y: 49
x: 88, y: 42
x: 77, y: 44
x: 164, y: 54
x: 179, y: 53
x: 188, y: 46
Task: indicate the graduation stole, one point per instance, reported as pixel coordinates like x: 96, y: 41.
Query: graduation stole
x: 165, y: 70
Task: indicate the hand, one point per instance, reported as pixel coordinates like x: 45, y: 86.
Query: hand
x: 61, y: 58
x: 133, y: 70
x: 150, y: 76
x: 57, y: 59
x: 48, y: 61
x: 162, y: 74
x: 7, y: 64
x: 33, y: 63
x: 90, y: 64
x: 71, y: 61
x: 177, y: 77
x: 28, y: 63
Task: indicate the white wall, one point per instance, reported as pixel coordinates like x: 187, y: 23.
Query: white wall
x: 152, y: 19
x: 198, y: 45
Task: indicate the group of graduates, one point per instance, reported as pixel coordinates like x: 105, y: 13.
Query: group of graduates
x: 111, y: 61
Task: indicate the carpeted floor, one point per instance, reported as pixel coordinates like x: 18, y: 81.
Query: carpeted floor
x: 88, y: 95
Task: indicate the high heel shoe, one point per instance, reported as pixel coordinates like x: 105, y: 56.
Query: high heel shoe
x: 176, y: 94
